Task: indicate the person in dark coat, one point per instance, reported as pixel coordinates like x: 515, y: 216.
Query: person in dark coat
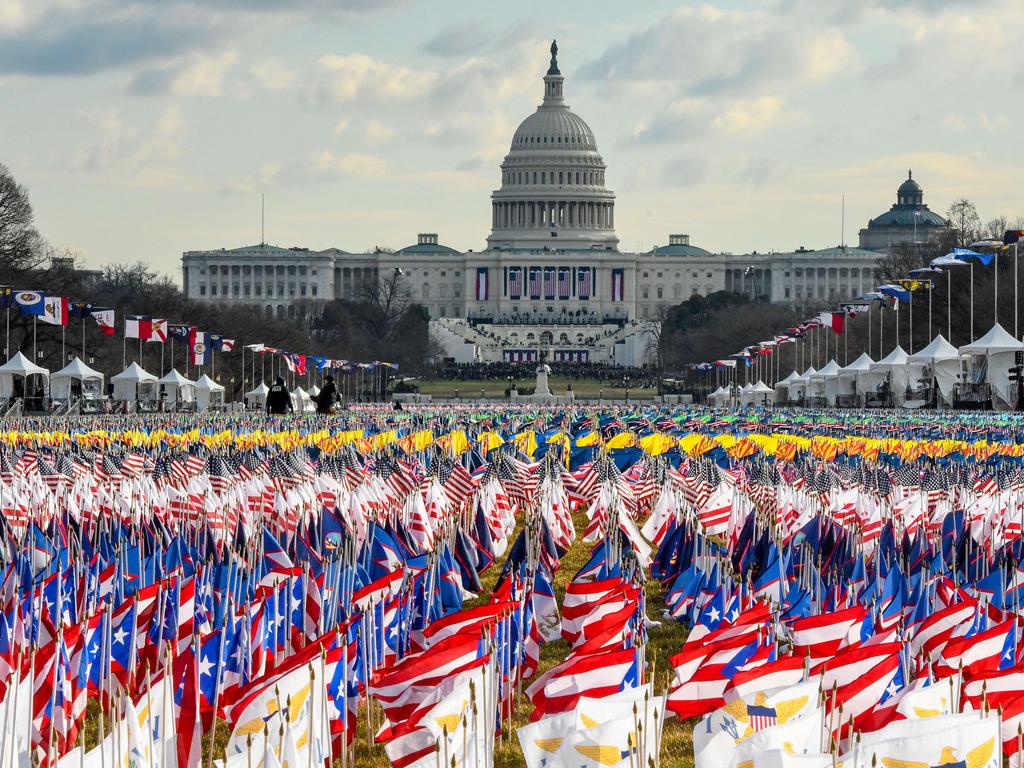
x: 279, y: 399
x: 327, y: 397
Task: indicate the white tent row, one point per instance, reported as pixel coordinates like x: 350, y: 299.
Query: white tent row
x: 176, y: 388
x: 902, y: 379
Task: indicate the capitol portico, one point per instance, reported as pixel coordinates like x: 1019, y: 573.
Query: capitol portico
x: 551, y: 280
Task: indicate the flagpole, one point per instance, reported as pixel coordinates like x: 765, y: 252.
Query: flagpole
x: 972, y: 301
x: 911, y: 342
x: 949, y: 306
x: 1015, y: 316
x: 83, y: 338
x: 63, y: 328
x: 931, y: 284
x: 7, y: 331
x: 34, y: 318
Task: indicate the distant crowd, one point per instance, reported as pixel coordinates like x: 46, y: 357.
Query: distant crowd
x: 610, y: 374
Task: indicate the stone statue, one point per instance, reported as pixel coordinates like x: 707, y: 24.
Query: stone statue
x: 542, y: 380
x: 553, y: 69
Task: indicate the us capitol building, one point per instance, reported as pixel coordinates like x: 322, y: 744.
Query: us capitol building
x: 552, y: 281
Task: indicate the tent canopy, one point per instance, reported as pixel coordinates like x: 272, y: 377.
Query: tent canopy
x: 895, y: 358
x: 19, y: 365
x: 134, y: 373
x: 831, y: 368
x: 174, y: 378
x: 762, y: 389
x: 259, y: 391
x: 861, y: 365
x: 204, y: 382
x: 995, y: 341
x: 78, y: 370
x: 936, y: 352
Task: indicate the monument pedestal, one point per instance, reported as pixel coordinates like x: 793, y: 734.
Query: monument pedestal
x: 542, y: 392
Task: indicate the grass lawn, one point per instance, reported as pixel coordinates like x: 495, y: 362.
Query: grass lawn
x: 558, y: 384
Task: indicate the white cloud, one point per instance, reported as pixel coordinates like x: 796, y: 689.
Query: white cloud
x: 750, y: 117
x: 205, y: 75
x: 356, y: 76
x: 273, y: 75
x: 377, y: 132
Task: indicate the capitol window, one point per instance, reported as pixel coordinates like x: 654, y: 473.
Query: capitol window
x: 202, y: 290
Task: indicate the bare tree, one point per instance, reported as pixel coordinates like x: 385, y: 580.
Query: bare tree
x: 20, y: 244
x: 996, y: 228
x: 965, y: 220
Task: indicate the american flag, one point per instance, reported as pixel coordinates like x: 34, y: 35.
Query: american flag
x: 583, y: 279
x: 534, y: 280
x: 549, y: 282
x: 515, y: 282
x: 564, y: 282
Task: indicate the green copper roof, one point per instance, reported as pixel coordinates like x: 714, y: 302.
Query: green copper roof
x: 680, y: 250
x: 903, y: 216
x: 427, y: 248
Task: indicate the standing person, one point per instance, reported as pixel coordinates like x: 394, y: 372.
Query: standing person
x: 279, y: 399
x: 327, y: 397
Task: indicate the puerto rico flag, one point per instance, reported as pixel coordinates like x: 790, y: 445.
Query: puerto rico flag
x: 618, y: 285
x: 481, y: 284
x: 583, y: 283
x: 138, y: 327
x: 199, y: 347
x: 515, y: 282
x: 564, y: 282
x: 55, y: 310
x: 534, y: 280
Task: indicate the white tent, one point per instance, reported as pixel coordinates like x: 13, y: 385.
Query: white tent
x: 798, y: 386
x: 782, y: 387
x: 854, y: 378
x: 895, y: 370
x: 991, y: 357
x: 301, y: 401
x: 134, y: 383
x: 208, y: 393
x: 176, y: 388
x: 942, y: 363
x: 825, y: 383
x: 257, y: 396
x: 745, y: 394
x: 16, y: 374
x: 762, y: 394
x: 719, y: 397
x: 76, y: 375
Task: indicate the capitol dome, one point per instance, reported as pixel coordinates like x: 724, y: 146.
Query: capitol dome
x: 552, y: 181
x: 553, y: 129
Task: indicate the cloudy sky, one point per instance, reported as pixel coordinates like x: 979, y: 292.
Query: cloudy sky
x: 147, y: 127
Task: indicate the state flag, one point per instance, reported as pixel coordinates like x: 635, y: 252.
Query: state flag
x: 55, y: 310
x: 105, y: 320
x: 138, y: 327
x: 31, y: 303
x: 199, y: 347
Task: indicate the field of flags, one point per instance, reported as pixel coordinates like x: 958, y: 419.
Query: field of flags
x: 473, y: 586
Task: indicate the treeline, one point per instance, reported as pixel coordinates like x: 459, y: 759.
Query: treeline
x: 361, y: 331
